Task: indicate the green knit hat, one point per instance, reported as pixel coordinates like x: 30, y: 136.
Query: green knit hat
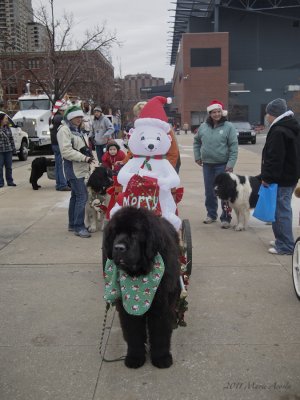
x: 73, y: 112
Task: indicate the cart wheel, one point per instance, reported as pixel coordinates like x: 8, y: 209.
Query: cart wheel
x: 187, y: 244
x: 296, y: 268
x: 104, y: 255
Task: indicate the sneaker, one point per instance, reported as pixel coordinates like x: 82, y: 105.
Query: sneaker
x: 209, y: 220
x: 11, y: 184
x: 272, y: 250
x: 272, y: 243
x: 84, y: 233
x: 225, y: 225
x: 65, y: 189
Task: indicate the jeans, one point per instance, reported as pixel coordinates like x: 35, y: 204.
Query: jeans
x: 282, y: 227
x: 60, y: 179
x: 6, y: 161
x: 210, y: 171
x: 99, y: 151
x: 77, y: 204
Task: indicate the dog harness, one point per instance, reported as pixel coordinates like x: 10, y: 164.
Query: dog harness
x: 137, y: 293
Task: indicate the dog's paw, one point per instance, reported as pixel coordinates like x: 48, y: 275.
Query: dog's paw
x: 163, y: 362
x: 92, y: 229
x: 134, y: 362
x: 239, y: 228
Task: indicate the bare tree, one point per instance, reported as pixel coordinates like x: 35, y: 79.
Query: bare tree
x: 64, y: 62
x: 59, y: 34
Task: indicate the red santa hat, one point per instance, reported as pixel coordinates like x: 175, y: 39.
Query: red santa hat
x: 216, y: 104
x: 59, y: 105
x: 153, y: 113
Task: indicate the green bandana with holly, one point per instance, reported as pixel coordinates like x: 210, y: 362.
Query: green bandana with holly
x: 137, y: 293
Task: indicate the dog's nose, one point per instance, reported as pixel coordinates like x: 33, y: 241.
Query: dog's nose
x: 121, y: 248
x: 151, y: 146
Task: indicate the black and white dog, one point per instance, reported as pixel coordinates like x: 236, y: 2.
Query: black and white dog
x: 38, y: 167
x: 241, y: 192
x: 95, y: 209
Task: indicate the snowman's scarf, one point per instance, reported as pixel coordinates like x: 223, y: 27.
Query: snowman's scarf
x: 148, y: 158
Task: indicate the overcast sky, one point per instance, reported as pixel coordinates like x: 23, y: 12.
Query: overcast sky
x: 141, y: 26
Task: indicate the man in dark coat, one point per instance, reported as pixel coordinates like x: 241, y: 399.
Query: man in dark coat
x: 58, y: 112
x: 281, y: 165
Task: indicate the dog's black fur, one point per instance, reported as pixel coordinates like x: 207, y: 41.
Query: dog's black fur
x: 100, y: 179
x: 241, y: 192
x: 132, y: 239
x: 38, y: 167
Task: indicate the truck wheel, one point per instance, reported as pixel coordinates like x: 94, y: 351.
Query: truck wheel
x: 23, y: 154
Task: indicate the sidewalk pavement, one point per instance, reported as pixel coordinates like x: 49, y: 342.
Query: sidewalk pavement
x: 242, y: 339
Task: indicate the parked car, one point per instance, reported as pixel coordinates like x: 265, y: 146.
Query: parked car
x: 20, y: 138
x: 245, y: 132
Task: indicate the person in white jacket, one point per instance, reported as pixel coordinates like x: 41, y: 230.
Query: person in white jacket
x: 73, y: 145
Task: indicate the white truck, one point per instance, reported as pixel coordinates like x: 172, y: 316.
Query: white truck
x: 33, y: 118
x: 20, y: 138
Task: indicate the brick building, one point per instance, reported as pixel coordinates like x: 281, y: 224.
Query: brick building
x: 93, y: 75
x: 201, y: 73
x: 134, y: 83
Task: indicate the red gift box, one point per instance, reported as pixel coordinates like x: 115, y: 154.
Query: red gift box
x: 141, y: 192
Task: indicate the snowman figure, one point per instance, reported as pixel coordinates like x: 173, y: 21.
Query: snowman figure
x: 149, y: 143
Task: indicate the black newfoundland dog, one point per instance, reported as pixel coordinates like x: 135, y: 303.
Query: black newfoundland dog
x: 241, y: 192
x: 38, y: 167
x: 132, y: 239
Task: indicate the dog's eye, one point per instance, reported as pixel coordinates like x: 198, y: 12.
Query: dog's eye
x: 143, y: 138
x: 158, y: 138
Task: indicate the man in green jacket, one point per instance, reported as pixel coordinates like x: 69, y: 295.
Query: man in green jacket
x: 216, y: 150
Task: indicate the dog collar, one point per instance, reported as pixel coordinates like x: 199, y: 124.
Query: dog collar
x: 137, y: 293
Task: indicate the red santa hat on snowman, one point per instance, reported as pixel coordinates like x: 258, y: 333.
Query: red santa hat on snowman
x: 215, y: 105
x: 153, y: 114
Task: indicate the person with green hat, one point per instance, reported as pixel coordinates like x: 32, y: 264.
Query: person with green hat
x: 73, y: 145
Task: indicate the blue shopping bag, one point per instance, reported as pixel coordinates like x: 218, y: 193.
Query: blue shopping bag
x: 266, y: 205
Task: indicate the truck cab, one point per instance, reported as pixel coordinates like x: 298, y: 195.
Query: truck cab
x: 33, y: 118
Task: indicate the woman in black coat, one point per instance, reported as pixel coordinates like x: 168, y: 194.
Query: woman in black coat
x: 7, y: 148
